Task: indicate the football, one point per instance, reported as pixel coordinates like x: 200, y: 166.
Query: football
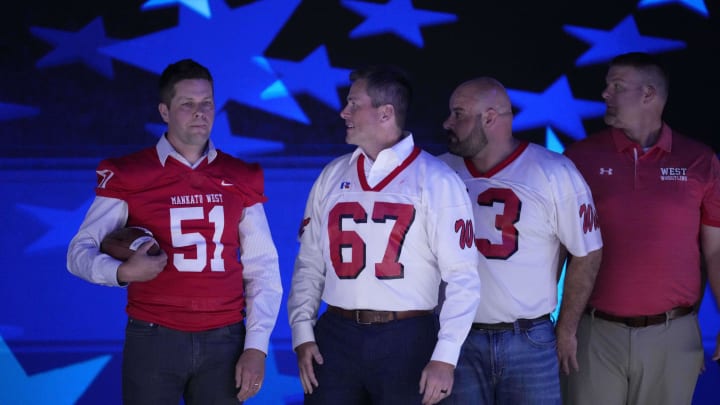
x: 123, y: 242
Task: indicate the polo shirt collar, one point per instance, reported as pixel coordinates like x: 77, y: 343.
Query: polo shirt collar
x: 622, y: 142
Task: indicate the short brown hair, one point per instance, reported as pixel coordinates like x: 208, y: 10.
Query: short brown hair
x: 180, y: 70
x: 387, y: 84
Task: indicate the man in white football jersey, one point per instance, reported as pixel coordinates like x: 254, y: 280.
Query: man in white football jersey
x: 530, y: 206
x: 382, y: 227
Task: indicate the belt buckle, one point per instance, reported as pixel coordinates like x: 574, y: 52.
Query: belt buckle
x: 357, y: 318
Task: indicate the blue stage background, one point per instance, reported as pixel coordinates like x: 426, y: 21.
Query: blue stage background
x: 78, y: 84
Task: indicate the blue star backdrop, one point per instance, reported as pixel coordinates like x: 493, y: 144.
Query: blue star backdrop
x: 78, y: 84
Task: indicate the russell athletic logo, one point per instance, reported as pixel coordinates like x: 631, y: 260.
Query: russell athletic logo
x: 673, y: 174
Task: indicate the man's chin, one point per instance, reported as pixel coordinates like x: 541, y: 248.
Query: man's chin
x: 610, y: 119
x: 455, y: 148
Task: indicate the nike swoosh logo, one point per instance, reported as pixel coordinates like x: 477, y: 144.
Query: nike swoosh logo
x: 225, y: 183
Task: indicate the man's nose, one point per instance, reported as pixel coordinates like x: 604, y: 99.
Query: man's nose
x: 605, y: 94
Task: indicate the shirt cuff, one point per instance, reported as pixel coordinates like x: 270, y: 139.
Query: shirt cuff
x: 257, y: 340
x: 447, y: 352
x: 302, y: 332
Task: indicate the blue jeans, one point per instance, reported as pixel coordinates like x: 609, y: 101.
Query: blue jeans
x: 508, y: 367
x: 372, y: 364
x: 161, y: 365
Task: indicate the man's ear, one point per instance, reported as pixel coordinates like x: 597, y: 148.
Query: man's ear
x: 164, y: 112
x: 387, y: 111
x: 649, y: 93
x: 488, y: 118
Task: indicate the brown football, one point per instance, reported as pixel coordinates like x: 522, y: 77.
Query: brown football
x: 123, y: 242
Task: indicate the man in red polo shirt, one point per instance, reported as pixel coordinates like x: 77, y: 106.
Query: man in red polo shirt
x: 657, y: 194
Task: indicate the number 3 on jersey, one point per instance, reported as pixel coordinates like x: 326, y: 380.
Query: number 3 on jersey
x: 505, y: 223
x: 390, y: 267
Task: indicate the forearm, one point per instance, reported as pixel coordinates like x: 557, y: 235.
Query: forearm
x: 710, y: 246
x: 462, y: 296
x: 713, y: 277
x: 304, y: 302
x: 83, y: 257
x: 261, y: 277
x: 579, y: 282
x: 306, y: 289
x: 262, y: 310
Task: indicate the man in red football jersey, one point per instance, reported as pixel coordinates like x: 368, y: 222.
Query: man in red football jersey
x: 185, y: 335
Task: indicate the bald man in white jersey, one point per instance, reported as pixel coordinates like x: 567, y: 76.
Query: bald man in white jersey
x: 530, y: 206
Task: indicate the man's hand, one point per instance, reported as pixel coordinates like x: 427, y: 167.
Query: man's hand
x: 567, y: 350
x: 141, y: 266
x: 249, y: 373
x: 436, y: 381
x: 307, y: 353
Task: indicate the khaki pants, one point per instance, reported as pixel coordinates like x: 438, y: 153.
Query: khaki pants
x: 619, y: 365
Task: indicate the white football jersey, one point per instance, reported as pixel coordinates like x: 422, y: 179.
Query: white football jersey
x: 524, y: 209
x: 387, y: 246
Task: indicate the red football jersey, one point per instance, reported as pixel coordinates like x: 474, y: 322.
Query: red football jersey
x: 194, y: 216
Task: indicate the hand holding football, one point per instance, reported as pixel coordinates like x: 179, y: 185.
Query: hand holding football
x: 123, y: 242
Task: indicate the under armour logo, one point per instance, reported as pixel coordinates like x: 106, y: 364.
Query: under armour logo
x: 607, y: 171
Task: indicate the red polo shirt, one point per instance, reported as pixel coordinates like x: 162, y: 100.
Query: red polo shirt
x: 650, y: 206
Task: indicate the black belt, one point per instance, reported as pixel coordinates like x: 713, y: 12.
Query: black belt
x: 366, y: 316
x: 641, y: 321
x: 519, y: 324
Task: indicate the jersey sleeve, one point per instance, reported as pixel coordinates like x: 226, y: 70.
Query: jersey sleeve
x: 308, y: 279
x: 452, y: 238
x: 248, y: 180
x: 575, y: 211
x: 111, y: 181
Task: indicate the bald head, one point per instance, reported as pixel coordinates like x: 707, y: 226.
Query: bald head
x: 487, y: 93
x: 480, y: 121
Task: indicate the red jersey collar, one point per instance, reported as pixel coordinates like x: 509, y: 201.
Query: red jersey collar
x: 363, y: 180
x: 511, y: 158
